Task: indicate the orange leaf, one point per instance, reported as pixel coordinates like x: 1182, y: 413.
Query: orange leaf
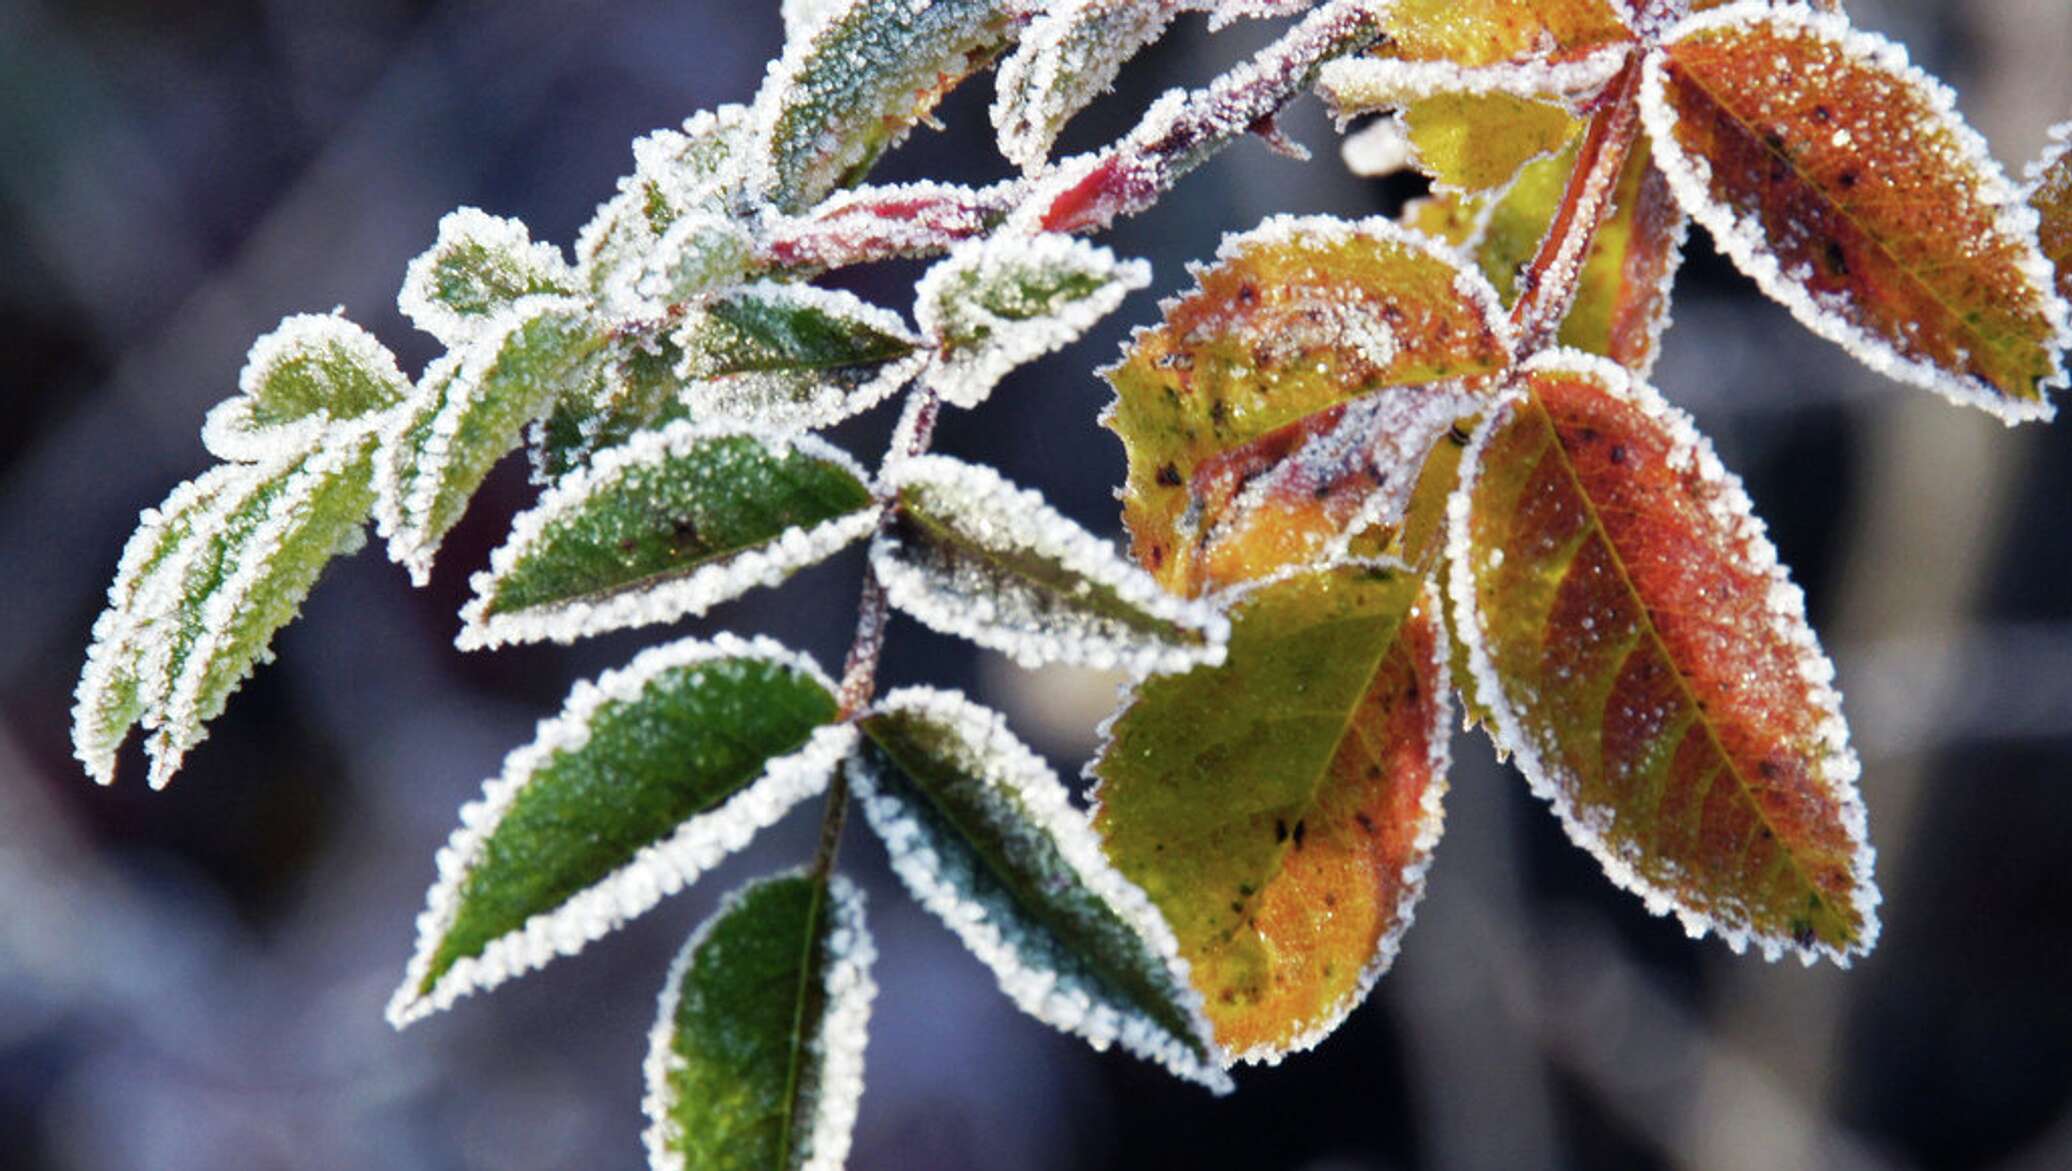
x: 1486, y: 32
x: 1648, y: 663
x: 1296, y: 317
x: 1842, y: 180
x: 2050, y: 193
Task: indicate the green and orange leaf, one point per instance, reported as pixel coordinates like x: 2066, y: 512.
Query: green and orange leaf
x: 1649, y: 664
x: 1488, y: 32
x: 1843, y: 181
x: 1296, y: 317
x: 1281, y: 808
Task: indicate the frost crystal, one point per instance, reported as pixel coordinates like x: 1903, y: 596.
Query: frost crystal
x: 791, y: 357
x: 312, y: 373
x: 1377, y: 150
x: 1021, y: 800
x: 1945, y: 140
x: 995, y: 304
x: 657, y: 871
x: 1360, y: 85
x: 832, y: 1090
x: 479, y: 265
x: 569, y: 506
x: 676, y: 173
x: 1728, y: 503
x: 974, y: 556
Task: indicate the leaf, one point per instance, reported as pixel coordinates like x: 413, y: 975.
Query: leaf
x: 633, y: 387
x: 756, y: 1057
x: 480, y: 265
x: 251, y: 558
x: 671, y: 524
x: 647, y: 779
x: 312, y: 373
x: 1302, y: 494
x: 1479, y: 143
x: 1281, y: 808
x: 985, y: 837
x: 1488, y: 32
x: 469, y: 411
x: 1068, y: 56
x: 1297, y: 316
x: 1649, y: 665
x: 1842, y: 180
x: 792, y: 357
x: 969, y: 554
x: 677, y: 173
x: 1622, y: 295
x: 2049, y: 191
x: 996, y: 303
x: 855, y: 85
x: 115, y: 690
x: 701, y: 253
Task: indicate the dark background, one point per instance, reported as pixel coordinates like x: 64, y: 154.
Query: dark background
x: 194, y: 979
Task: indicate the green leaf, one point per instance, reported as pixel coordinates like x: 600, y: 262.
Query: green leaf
x: 239, y: 573
x: 633, y: 387
x: 676, y: 173
x: 310, y: 375
x: 993, y: 304
x: 115, y: 689
x: 1649, y: 665
x: 853, y: 87
x: 479, y: 266
x: 969, y: 554
x: 791, y: 357
x: 647, y: 779
x: 1281, y: 808
x: 1840, y: 178
x: 1068, y: 56
x: 756, y: 1058
x: 673, y: 523
x: 985, y: 837
x: 469, y: 411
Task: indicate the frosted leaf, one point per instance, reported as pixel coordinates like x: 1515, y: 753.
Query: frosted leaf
x: 1841, y: 178
x: 791, y: 357
x: 1648, y: 664
x: 1068, y: 56
x: 1281, y: 808
x: 756, y: 1056
x: 854, y: 86
x: 470, y: 410
x: 985, y: 837
x: 314, y: 371
x: 969, y: 554
x: 479, y: 265
x: 898, y: 220
x: 143, y: 608
x: 648, y: 778
x: 632, y: 387
x: 995, y: 304
x: 700, y: 253
x: 2047, y: 187
x: 1361, y: 85
x: 671, y: 524
x: 676, y: 173
x: 256, y: 554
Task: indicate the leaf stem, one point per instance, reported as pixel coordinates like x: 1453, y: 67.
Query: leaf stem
x: 911, y: 437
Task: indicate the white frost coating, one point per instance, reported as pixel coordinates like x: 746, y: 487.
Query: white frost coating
x: 1728, y: 504
x: 659, y: 870
x: 1033, y: 624
x: 1378, y: 149
x: 230, y: 432
x: 513, y: 261
x: 143, y: 597
x: 2055, y: 148
x: 700, y: 253
x: 836, y: 1047
x: 692, y: 594
x: 1743, y: 239
x: 1068, y: 56
x: 797, y: 399
x: 410, y: 474
x: 803, y: 18
x: 1361, y: 85
x: 1039, y: 976
x: 676, y: 172
x: 179, y: 721
x: 1431, y: 823
x: 973, y: 306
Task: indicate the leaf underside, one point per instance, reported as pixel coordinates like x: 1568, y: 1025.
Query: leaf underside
x: 1280, y: 808
x: 1650, y: 667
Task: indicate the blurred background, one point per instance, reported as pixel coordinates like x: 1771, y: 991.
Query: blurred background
x: 195, y: 979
